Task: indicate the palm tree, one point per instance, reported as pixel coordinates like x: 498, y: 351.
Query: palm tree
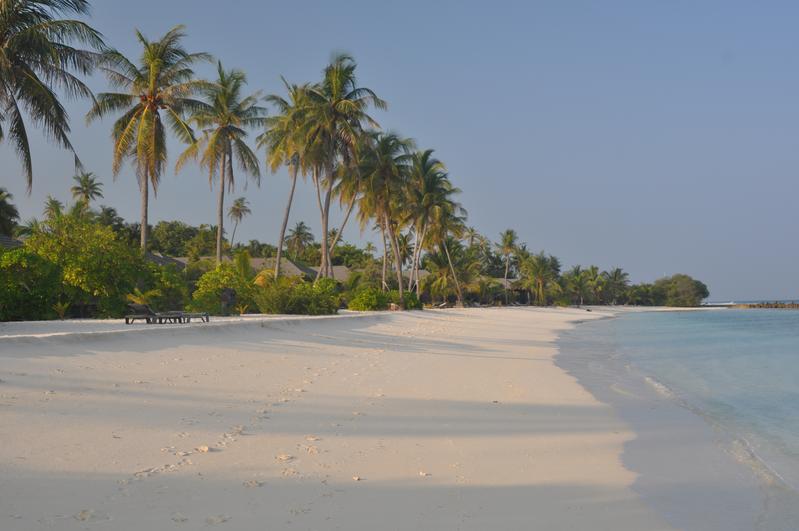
x: 335, y: 116
x: 506, y: 247
x: 284, y: 145
x: 53, y: 207
x: 224, y: 116
x: 87, y: 188
x: 541, y: 272
x: 428, y: 188
x: 616, y: 282
x: 406, y: 248
x: 36, y: 61
x: 576, y: 281
x: 238, y: 210
x: 157, y: 89
x: 28, y: 228
x: 385, y: 170
x: 9, y: 215
x: 596, y: 283
x: 445, y: 228
x: 472, y: 235
x: 299, y: 238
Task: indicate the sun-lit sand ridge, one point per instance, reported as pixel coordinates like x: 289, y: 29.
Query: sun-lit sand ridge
x: 423, y: 420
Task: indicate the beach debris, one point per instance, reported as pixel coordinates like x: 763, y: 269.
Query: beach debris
x: 299, y: 390
x: 89, y: 515
x: 203, y: 449
x: 289, y: 473
x: 495, y: 401
x: 424, y: 474
x: 218, y: 519
x: 312, y: 438
x: 357, y: 478
x: 253, y: 483
x: 284, y: 458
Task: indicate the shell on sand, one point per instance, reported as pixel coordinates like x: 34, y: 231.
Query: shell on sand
x: 203, y: 449
x: 357, y: 478
x: 424, y: 474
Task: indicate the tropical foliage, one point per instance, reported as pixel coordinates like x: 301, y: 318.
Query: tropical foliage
x: 82, y: 259
x: 41, y: 55
x: 157, y: 93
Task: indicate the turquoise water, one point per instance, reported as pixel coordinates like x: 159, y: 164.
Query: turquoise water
x: 739, y: 369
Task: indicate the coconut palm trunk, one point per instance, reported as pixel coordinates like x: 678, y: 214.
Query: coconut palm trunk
x: 325, y: 261
x: 220, y: 209
x: 337, y: 237
x: 385, y: 257
x: 323, y: 249
x: 294, y: 170
x: 392, y: 234
x: 145, y: 200
x: 505, y: 285
x: 454, y: 276
x: 417, y: 261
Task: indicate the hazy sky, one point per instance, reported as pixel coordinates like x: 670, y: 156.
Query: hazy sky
x: 662, y: 137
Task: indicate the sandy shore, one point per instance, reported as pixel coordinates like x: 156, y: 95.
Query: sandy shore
x: 423, y: 420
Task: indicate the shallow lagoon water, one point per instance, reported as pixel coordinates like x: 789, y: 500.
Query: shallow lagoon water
x: 714, y: 399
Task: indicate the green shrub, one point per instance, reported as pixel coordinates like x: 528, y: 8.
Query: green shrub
x: 171, y: 289
x: 412, y: 302
x: 293, y: 296
x: 97, y: 268
x: 369, y: 299
x: 29, y: 286
x: 208, y: 295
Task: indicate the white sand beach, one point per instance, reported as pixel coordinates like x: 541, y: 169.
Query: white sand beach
x: 440, y: 420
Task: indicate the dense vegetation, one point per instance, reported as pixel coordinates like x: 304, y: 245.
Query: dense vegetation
x: 83, y: 260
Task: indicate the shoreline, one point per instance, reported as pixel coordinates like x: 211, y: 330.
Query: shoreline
x: 457, y: 419
x: 695, y: 473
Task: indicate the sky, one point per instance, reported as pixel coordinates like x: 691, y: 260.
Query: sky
x: 661, y: 137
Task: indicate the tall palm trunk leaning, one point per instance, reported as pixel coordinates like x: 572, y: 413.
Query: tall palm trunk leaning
x: 284, y: 142
x: 224, y: 116
x: 237, y: 211
x: 158, y: 88
x: 335, y: 117
x: 286, y: 214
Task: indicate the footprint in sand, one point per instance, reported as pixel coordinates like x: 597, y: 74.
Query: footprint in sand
x: 218, y: 519
x: 89, y: 515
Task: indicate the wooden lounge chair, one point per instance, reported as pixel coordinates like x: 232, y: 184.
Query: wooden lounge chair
x: 143, y: 312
